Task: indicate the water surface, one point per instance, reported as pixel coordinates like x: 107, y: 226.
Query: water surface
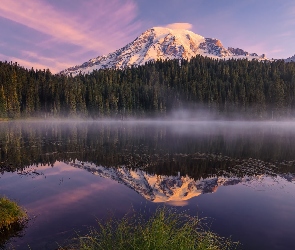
x: 239, y: 175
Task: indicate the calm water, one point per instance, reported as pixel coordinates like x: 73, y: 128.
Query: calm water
x: 239, y: 175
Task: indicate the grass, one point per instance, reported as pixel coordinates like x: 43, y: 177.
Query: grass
x: 10, y: 213
x: 166, y: 230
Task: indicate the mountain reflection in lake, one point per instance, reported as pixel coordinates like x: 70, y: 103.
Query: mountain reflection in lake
x: 66, y: 174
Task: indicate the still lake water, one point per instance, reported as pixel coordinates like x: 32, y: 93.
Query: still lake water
x: 239, y: 175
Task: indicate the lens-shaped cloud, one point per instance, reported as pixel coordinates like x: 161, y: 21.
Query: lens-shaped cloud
x: 184, y: 26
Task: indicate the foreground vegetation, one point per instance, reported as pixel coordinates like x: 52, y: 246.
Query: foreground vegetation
x: 257, y: 89
x: 166, y: 229
x: 12, y: 221
x: 10, y: 213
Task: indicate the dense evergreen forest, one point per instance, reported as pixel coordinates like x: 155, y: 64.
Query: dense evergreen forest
x: 259, y: 89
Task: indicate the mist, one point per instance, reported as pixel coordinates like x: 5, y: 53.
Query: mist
x: 193, y: 115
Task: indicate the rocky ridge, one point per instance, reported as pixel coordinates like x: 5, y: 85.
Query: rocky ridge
x: 290, y: 59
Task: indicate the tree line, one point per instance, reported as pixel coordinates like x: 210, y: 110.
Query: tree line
x: 257, y: 89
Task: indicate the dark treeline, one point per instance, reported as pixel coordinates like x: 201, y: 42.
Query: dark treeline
x: 157, y: 150
x: 262, y: 89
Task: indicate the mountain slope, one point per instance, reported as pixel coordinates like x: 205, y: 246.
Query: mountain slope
x: 290, y: 59
x: 165, y: 44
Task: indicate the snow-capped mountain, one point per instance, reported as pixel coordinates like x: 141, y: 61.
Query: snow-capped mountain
x: 165, y: 44
x: 290, y: 59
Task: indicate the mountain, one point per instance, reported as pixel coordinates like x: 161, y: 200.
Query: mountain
x: 290, y: 59
x: 165, y: 44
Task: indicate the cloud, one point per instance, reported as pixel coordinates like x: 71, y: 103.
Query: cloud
x: 286, y: 34
x: 22, y: 62
x: 274, y: 51
x: 52, y: 62
x: 184, y: 26
x: 80, y: 27
x: 36, y: 61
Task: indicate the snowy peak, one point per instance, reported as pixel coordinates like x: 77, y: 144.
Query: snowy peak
x: 290, y: 59
x: 160, y: 43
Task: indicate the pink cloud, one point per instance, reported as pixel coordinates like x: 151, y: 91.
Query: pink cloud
x: 24, y: 63
x: 286, y: 34
x: 53, y: 64
x: 38, y: 62
x: 258, y: 48
x: 100, y: 26
x: 184, y: 26
x: 274, y: 51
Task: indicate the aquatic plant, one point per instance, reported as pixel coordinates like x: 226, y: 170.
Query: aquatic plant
x: 10, y: 213
x: 166, y: 229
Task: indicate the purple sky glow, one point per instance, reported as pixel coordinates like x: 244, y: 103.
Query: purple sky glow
x: 60, y: 34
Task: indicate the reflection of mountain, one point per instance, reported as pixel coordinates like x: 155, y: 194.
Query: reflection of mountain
x: 162, y: 188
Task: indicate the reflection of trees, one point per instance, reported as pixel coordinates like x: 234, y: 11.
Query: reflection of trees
x: 157, y: 149
x: 15, y: 230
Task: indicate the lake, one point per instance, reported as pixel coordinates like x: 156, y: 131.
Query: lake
x: 239, y: 175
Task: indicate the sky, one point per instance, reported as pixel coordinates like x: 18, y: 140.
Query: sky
x: 59, y: 34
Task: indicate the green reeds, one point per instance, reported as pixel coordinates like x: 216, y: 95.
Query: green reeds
x: 10, y: 213
x: 166, y: 230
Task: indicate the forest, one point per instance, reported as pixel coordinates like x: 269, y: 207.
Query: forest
x: 255, y: 89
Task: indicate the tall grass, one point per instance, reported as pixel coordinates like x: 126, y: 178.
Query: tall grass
x: 10, y: 213
x: 166, y: 229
